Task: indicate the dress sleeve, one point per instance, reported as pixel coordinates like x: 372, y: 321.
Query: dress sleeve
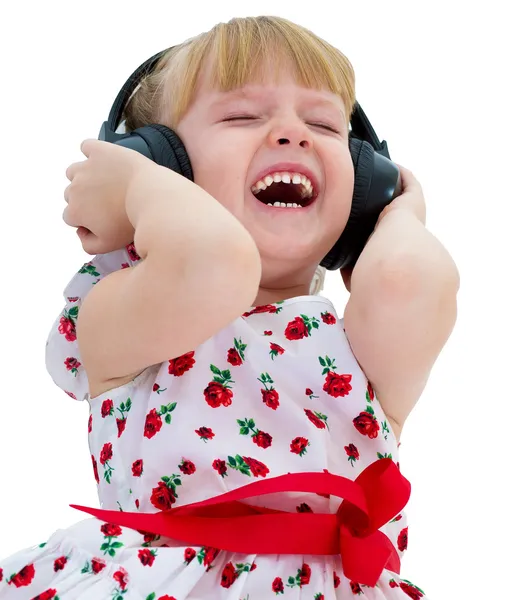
x: 62, y: 356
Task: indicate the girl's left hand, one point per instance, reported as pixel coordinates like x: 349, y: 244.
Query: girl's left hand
x: 411, y: 199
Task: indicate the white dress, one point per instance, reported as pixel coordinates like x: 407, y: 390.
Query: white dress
x: 278, y: 391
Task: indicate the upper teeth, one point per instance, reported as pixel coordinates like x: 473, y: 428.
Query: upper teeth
x: 285, y: 177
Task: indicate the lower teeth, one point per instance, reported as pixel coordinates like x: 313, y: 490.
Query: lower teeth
x: 283, y: 205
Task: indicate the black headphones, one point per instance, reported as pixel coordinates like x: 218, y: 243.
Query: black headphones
x: 377, y: 179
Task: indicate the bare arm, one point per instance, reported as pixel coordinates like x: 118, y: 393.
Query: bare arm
x: 401, y: 310
x: 200, y: 270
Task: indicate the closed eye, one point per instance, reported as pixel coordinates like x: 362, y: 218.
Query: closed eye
x: 323, y: 126
x: 240, y: 118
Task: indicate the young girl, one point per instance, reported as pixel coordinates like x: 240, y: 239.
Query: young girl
x: 209, y: 362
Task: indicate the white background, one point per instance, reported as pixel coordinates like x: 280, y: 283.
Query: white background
x: 435, y: 79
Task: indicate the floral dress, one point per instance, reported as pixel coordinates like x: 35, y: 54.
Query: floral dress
x: 277, y: 392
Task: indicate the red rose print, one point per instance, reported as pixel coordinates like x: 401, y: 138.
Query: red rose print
x: 131, y: 250
x: 309, y: 392
x: 355, y: 587
x: 210, y: 555
x: 296, y: 329
x: 233, y: 357
x: 59, y: 563
x: 278, y: 586
x: 155, y: 387
x: 318, y: 419
x: 120, y: 424
x: 107, y: 408
x: 257, y: 468
x: 187, y: 467
x: 90, y: 423
x: 205, y: 433
x: 299, y: 445
x: 269, y: 308
x: 1, y: 574
x: 97, y: 564
x: 111, y: 530
x: 268, y: 333
x: 337, y: 385
x: 166, y: 597
x: 275, y: 350
x: 336, y: 580
x: 178, y: 366
x: 370, y: 392
x: 71, y: 395
x: 220, y: 466
x: 262, y: 439
x: 393, y: 583
x: 162, y: 496
x: 228, y: 575
x: 146, y: 557
x: 153, y: 424
x: 366, y: 424
x: 304, y: 508
x: 189, y: 555
x: 95, y: 469
x: 48, y: 595
x: 72, y: 364
x: 411, y: 591
x: 216, y: 395
x: 121, y: 576
x: 305, y: 574
x: 253, y: 567
x: 352, y: 453
x: 137, y: 467
x: 67, y: 328
x: 328, y: 318
x: 270, y: 398
x: 23, y: 577
x: 106, y: 453
x: 402, y: 540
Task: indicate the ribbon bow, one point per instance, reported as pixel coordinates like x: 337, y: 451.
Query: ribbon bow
x: 375, y: 497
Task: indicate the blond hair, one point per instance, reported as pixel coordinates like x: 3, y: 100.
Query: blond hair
x: 239, y: 49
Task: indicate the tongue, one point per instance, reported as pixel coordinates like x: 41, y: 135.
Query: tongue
x: 280, y: 192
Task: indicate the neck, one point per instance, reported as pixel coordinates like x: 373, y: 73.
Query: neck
x: 271, y: 296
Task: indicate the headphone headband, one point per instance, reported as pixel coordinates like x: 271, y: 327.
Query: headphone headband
x: 361, y: 128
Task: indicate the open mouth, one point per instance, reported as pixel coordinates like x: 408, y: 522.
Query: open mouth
x: 285, y: 190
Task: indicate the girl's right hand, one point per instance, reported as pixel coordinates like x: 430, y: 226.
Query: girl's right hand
x: 96, y: 195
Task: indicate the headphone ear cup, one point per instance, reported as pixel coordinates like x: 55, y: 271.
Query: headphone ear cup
x: 351, y: 242
x: 161, y: 145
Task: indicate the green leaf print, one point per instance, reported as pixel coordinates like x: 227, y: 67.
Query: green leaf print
x: 385, y: 429
x: 73, y: 313
x: 370, y: 410
x: 89, y: 269
x: 151, y: 596
x: 310, y: 323
x: 110, y: 547
x: 238, y: 464
x: 379, y: 455
x: 328, y: 364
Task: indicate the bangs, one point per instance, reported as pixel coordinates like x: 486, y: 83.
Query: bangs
x: 244, y: 50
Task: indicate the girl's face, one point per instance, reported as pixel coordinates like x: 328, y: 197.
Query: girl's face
x: 234, y: 139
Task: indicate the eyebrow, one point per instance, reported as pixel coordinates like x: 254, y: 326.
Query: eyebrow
x: 241, y: 94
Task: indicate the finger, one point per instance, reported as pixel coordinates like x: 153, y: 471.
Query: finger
x: 68, y: 217
x: 71, y: 171
x: 88, y: 145
x: 409, y: 181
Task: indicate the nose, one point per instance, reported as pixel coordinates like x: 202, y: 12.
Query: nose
x: 290, y: 131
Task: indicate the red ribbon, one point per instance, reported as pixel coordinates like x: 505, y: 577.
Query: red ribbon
x: 375, y: 497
